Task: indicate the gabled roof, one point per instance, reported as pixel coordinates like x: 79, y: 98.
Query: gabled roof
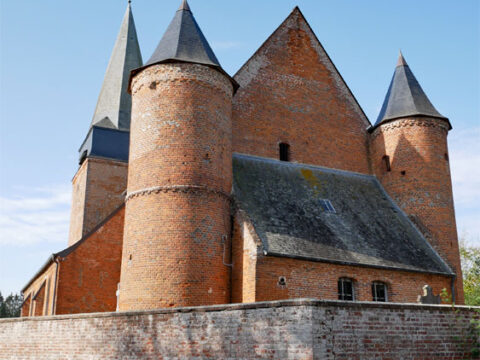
x: 286, y: 204
x: 405, y: 97
x: 184, y: 42
x: 114, y: 103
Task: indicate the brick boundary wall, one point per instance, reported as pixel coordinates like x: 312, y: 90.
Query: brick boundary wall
x: 290, y: 329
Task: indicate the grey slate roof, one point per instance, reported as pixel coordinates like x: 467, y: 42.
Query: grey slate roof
x: 114, y: 103
x: 283, y: 202
x: 184, y: 42
x: 405, y: 97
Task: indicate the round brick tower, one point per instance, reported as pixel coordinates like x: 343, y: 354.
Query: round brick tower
x: 177, y: 222
x: 409, y: 155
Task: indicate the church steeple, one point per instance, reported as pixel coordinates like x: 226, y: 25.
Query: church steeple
x: 405, y: 97
x: 114, y: 103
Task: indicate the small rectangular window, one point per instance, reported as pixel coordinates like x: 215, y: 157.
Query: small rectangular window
x: 379, y: 292
x: 284, y: 149
x: 386, y: 161
x: 345, y: 289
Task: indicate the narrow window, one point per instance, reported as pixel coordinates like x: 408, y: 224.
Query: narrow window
x: 284, y: 152
x: 386, y: 161
x: 379, y: 291
x: 345, y: 289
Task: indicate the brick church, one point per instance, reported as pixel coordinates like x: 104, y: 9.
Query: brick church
x: 198, y: 188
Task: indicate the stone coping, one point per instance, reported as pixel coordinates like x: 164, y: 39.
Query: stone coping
x: 255, y: 305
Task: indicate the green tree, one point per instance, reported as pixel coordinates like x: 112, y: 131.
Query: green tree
x: 11, y: 305
x: 470, y: 256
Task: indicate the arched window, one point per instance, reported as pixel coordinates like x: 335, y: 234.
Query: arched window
x: 284, y: 150
x: 346, y: 290
x: 379, y: 291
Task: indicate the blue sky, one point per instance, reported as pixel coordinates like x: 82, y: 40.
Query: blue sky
x: 53, y: 56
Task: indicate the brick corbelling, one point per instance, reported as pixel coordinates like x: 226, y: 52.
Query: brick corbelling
x: 178, y: 72
x: 408, y: 122
x: 176, y: 189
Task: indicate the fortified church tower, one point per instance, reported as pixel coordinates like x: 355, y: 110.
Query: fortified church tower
x: 410, y: 158
x: 274, y: 188
x: 101, y: 179
x: 177, y: 221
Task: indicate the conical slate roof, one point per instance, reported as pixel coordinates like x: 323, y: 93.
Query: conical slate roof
x: 184, y: 42
x: 405, y: 97
x: 114, y: 103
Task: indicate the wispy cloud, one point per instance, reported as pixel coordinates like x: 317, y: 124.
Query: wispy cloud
x: 38, y: 215
x: 465, y: 157
x: 226, y: 45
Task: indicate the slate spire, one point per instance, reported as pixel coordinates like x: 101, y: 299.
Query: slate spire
x: 184, y: 41
x: 114, y: 103
x: 405, y: 97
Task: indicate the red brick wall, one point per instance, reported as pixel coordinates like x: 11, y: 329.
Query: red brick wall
x: 98, y: 190
x: 291, y: 92
x: 295, y: 329
x: 319, y: 280
x: 418, y: 147
x: 31, y: 308
x: 245, y: 244
x: 89, y: 275
x: 179, y: 182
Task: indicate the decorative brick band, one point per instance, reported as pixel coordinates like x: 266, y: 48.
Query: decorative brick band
x: 401, y: 123
x: 176, y: 189
x: 166, y: 74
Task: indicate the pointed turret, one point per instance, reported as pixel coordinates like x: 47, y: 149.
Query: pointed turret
x: 184, y: 42
x: 114, y: 103
x: 405, y: 97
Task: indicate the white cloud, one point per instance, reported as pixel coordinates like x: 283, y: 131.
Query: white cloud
x: 38, y: 215
x: 464, y: 149
x: 225, y: 45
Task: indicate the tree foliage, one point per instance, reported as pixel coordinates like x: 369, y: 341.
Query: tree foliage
x: 470, y: 256
x: 10, y: 306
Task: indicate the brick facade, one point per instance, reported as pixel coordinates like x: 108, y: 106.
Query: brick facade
x: 97, y: 190
x: 177, y: 223
x: 419, y: 181
x: 175, y: 245
x: 291, y: 92
x: 84, y: 277
x: 297, y: 329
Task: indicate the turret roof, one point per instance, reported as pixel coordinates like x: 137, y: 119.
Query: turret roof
x: 184, y: 42
x: 114, y: 103
x: 405, y: 97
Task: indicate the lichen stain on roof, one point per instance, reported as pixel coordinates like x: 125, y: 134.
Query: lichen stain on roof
x: 283, y: 202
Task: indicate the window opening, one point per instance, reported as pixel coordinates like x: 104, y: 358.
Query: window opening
x: 327, y: 206
x: 284, y: 152
x: 345, y: 289
x: 386, y: 161
x: 379, y: 291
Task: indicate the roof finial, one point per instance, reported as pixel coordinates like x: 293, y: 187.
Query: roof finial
x: 184, y: 6
x: 129, y: 2
x: 401, y: 60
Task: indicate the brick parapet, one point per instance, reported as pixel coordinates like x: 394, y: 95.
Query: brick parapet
x: 288, y: 329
